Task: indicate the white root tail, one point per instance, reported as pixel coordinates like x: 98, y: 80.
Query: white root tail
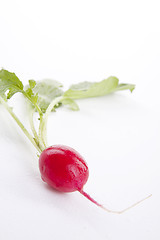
x: 112, y: 211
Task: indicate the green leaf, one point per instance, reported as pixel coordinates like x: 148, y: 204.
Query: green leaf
x: 32, y: 83
x: 29, y: 92
x: 125, y: 86
x: 95, y: 89
x: 47, y: 90
x: 71, y: 103
x: 11, y: 92
x: 88, y: 89
x: 9, y: 82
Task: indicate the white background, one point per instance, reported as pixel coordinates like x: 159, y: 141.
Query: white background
x: 119, y: 134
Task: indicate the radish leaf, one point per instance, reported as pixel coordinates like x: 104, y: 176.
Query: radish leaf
x: 88, y: 89
x: 47, y: 95
x: 47, y: 91
x: 9, y: 82
x: 71, y: 103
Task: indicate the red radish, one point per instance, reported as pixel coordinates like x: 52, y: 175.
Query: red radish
x: 64, y: 169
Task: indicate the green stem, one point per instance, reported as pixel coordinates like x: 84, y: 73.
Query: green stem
x: 36, y: 137
x: 40, y: 134
x: 32, y: 124
x: 25, y: 131
x: 41, y: 142
x: 43, y: 125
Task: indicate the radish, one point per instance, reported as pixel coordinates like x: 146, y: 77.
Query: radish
x: 60, y: 166
x: 64, y: 169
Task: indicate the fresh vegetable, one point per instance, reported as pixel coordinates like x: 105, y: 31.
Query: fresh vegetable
x: 61, y: 167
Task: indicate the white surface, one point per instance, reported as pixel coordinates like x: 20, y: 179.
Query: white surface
x: 119, y: 135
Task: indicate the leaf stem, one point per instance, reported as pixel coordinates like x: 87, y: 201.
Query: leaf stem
x: 25, y: 131
x: 43, y: 124
x: 40, y: 139
x: 40, y: 134
x: 36, y: 137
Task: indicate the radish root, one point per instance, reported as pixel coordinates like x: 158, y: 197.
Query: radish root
x: 112, y: 211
